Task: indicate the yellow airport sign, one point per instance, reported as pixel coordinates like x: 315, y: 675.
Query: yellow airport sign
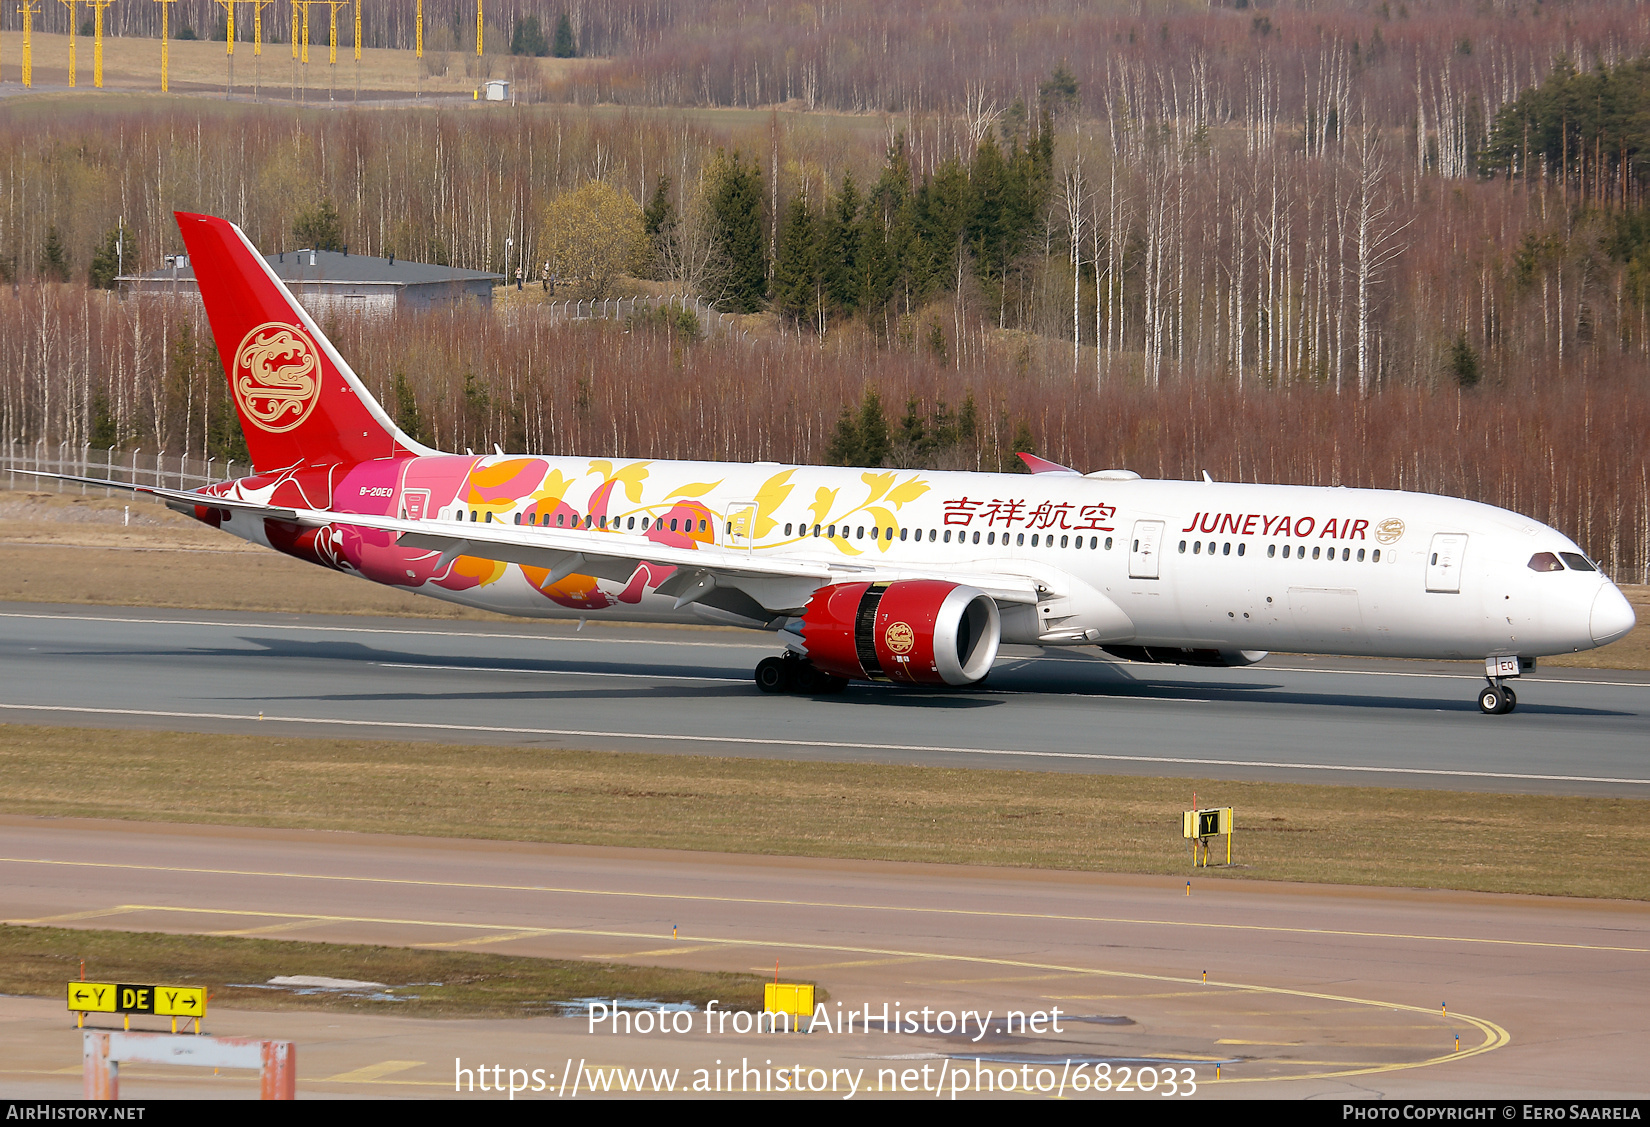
x: 93, y: 997
x: 134, y: 998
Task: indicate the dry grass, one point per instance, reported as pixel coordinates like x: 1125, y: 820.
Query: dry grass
x: 1343, y: 835
x: 199, y: 67
x: 421, y: 983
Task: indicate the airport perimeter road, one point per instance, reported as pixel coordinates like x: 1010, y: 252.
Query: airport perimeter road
x: 689, y: 690
x: 1311, y: 990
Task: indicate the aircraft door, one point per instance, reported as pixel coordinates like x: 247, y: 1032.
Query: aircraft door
x: 413, y: 503
x: 1143, y: 549
x: 1444, y: 562
x: 741, y: 526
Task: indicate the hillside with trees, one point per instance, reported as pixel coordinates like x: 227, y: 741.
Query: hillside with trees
x: 1336, y: 249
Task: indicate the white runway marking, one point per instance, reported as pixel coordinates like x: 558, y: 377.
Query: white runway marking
x: 559, y: 672
x: 609, y: 734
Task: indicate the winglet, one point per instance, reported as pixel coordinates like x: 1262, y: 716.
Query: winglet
x: 1043, y: 465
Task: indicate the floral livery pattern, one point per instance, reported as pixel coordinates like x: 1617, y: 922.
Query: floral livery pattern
x: 533, y: 491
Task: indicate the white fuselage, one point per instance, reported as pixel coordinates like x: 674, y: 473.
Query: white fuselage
x: 1116, y: 559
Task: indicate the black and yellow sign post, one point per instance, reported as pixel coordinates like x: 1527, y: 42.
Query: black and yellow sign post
x: 1200, y: 825
x: 127, y: 999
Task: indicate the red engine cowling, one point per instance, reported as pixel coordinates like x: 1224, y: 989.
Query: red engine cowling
x: 917, y: 631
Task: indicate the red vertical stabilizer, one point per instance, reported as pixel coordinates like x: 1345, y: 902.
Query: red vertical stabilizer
x: 299, y: 403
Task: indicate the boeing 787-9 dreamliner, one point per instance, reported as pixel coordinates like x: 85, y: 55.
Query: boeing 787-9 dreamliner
x: 908, y: 576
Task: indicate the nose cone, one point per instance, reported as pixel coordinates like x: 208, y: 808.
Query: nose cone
x: 1612, y: 615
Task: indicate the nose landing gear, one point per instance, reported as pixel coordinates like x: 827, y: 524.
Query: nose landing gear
x: 793, y: 673
x: 1496, y: 699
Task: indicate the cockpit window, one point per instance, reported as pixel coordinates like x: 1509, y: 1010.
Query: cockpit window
x: 1545, y: 561
x: 1577, y: 561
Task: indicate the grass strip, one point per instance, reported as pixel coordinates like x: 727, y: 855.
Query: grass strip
x: 1545, y: 844
x: 418, y: 983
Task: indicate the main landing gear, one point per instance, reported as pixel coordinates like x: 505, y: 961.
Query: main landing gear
x: 793, y: 673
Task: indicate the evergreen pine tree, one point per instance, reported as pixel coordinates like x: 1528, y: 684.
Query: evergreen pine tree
x: 796, y: 279
x: 1021, y: 443
x: 564, y: 46
x: 105, y: 266
x: 839, y: 252
x: 736, y: 209
x: 844, y: 446
x: 319, y: 228
x: 54, y: 256
x: 874, y: 443
x: 528, y: 38
x: 407, y: 415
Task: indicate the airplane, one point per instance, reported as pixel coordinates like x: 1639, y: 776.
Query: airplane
x: 913, y: 577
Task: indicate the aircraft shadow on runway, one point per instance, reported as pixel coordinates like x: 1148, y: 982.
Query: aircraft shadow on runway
x: 1067, y: 676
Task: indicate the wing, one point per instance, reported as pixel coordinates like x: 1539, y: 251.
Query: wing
x: 779, y: 585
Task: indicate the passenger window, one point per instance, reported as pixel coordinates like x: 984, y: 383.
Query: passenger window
x: 701, y: 526
x: 518, y: 518
x: 1241, y: 547
x: 631, y: 523
x: 932, y: 534
x: 991, y: 537
x: 1020, y: 539
x: 1197, y: 548
x: 1578, y: 562
x: 831, y: 532
x: 787, y: 529
x: 673, y: 524
x: 1033, y: 539
x: 976, y: 538
x: 1316, y: 549
x: 644, y: 525
x: 1346, y: 554
x: 1108, y: 543
x: 1360, y: 555
x: 1093, y: 540
x: 1211, y: 547
x: 903, y: 531
x: 1183, y: 547
x: 1226, y: 548
x: 1063, y: 541
x: 560, y: 517
x: 948, y: 536
x: 1376, y: 557
x: 1271, y: 550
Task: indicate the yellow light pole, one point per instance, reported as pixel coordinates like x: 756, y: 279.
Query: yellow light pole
x: 420, y: 29
x: 73, y: 69
x: 165, y: 45
x: 332, y: 42
x: 229, y: 45
x: 28, y: 11
x: 97, y: 7
x: 257, y: 41
x: 478, y: 29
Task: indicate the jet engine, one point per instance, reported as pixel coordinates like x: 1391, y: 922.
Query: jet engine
x: 1170, y: 655
x: 915, y: 631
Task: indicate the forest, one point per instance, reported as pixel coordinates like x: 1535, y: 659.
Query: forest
x: 1335, y: 244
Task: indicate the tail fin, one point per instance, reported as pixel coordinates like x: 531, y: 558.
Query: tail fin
x: 298, y: 402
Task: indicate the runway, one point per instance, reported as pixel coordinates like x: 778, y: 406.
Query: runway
x: 685, y: 690
x: 1310, y: 991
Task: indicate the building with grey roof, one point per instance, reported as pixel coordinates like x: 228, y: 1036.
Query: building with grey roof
x: 326, y: 281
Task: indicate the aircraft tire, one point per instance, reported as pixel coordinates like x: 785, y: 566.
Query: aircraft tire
x: 1512, y: 701
x: 1491, y: 701
x: 773, y: 675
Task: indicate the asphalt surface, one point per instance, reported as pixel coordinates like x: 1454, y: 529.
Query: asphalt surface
x: 1310, y: 990
x: 1295, y: 719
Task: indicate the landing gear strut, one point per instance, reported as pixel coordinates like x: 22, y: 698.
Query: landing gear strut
x: 1496, y: 699
x: 793, y: 673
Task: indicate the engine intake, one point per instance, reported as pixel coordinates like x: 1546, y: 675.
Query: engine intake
x: 916, y: 631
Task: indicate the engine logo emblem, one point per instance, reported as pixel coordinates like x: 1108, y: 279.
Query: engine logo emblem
x: 900, y: 637
x: 276, y: 378
x: 1390, y: 531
